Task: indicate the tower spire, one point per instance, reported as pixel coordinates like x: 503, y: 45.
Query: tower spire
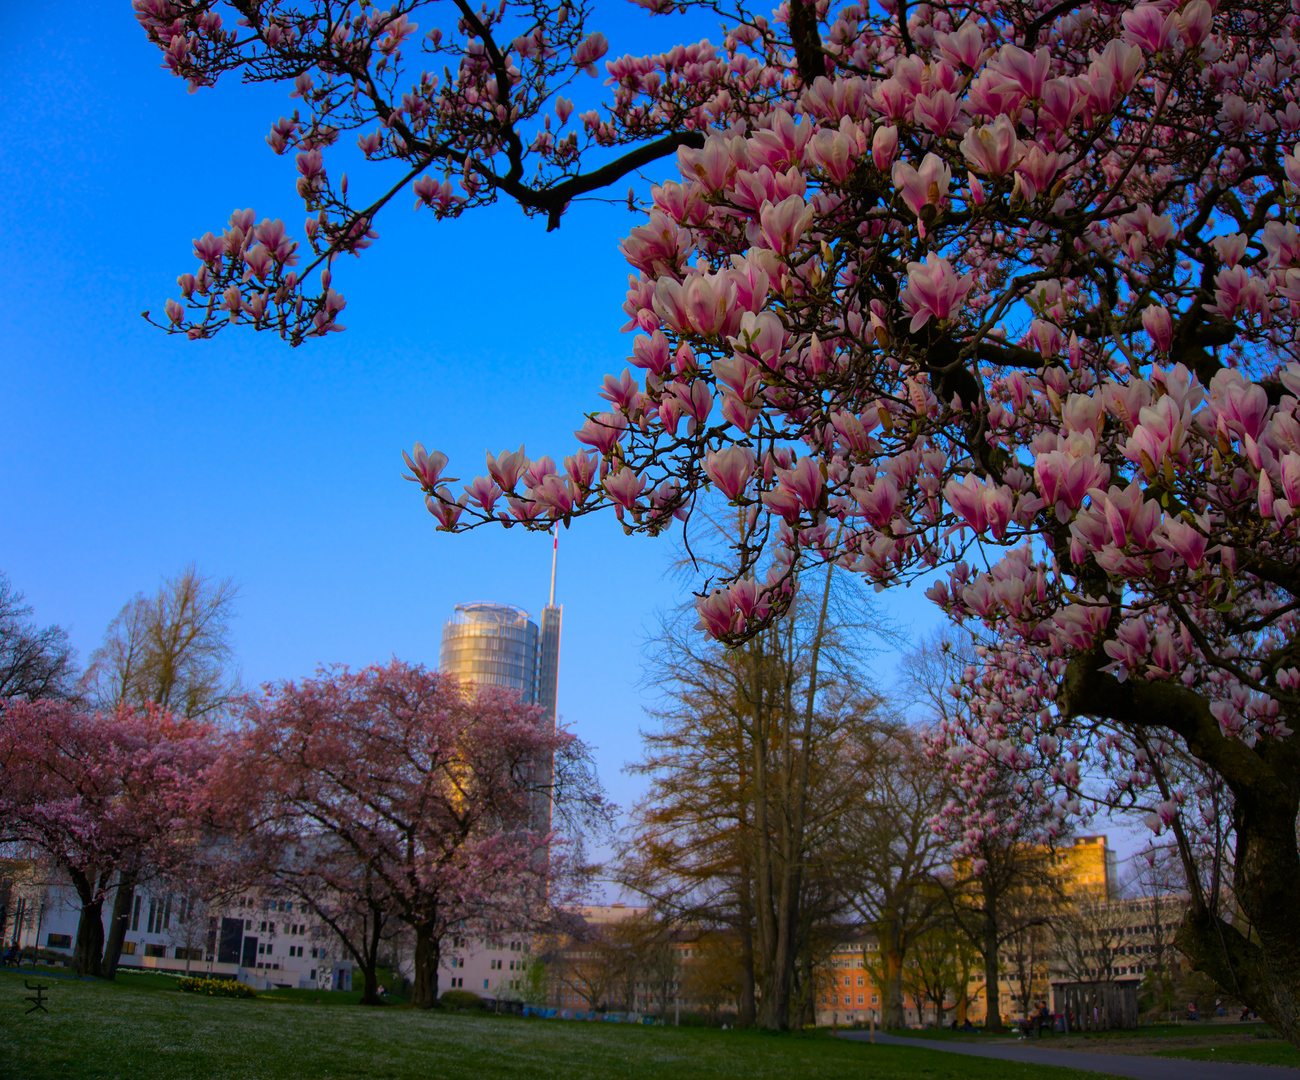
x: 555, y: 551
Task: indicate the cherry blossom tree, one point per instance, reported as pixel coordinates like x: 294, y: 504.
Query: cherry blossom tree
x: 103, y: 797
x: 1002, y: 296
x: 394, y: 793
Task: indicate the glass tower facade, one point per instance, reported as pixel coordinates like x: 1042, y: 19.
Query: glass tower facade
x: 492, y: 645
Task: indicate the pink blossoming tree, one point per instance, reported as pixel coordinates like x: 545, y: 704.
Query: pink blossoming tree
x: 110, y: 800
x: 395, y: 794
x: 1001, y: 294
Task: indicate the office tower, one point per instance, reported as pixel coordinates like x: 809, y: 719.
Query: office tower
x: 492, y: 645
x: 499, y: 645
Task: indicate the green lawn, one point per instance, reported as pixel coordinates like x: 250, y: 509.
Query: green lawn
x: 146, y: 1028
x: 1258, y: 1052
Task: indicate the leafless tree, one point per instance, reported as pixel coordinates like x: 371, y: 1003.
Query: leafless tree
x: 35, y: 662
x: 173, y: 649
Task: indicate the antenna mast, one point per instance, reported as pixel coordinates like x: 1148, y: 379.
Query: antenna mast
x: 555, y: 551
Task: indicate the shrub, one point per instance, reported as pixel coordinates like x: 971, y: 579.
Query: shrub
x: 216, y: 987
x: 461, y: 999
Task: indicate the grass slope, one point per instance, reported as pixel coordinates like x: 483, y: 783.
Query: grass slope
x: 99, y: 1031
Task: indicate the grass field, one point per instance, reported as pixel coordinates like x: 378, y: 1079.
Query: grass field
x: 1256, y: 1052
x: 146, y: 1028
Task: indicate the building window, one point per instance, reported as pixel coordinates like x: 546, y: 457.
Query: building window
x: 59, y: 941
x: 135, y: 915
x: 128, y: 948
x: 159, y: 951
x: 313, y: 974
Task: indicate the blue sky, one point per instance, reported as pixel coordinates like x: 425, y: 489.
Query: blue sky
x: 125, y: 453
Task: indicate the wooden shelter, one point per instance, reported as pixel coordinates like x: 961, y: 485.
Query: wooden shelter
x: 1097, y: 1006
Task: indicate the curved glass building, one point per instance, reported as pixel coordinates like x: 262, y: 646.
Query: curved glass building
x: 492, y: 645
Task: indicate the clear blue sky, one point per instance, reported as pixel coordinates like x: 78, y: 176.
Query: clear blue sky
x: 124, y: 454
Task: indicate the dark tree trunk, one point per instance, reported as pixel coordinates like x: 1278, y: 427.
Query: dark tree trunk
x: 88, y: 953
x: 891, y: 994
x: 992, y: 976
x: 118, y: 923
x: 428, y: 951
x: 746, y: 1006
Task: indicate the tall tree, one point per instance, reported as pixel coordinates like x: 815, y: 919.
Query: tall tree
x: 35, y: 662
x: 410, y: 794
x: 747, y: 781
x: 1006, y: 282
x: 173, y: 649
x: 1003, y: 890
x: 892, y: 853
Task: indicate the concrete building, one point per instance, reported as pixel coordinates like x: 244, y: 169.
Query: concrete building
x: 259, y: 940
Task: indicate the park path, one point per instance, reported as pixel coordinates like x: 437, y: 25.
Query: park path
x: 1129, y: 1065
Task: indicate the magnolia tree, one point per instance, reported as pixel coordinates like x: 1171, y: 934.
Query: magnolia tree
x: 110, y: 800
x: 1002, y: 293
x: 394, y: 794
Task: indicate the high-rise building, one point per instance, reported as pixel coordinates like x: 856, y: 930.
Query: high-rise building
x: 499, y: 645
x: 492, y: 645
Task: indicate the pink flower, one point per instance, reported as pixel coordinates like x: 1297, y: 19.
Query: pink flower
x: 1195, y: 22
x: 965, y: 47
x: 730, y: 469
x: 1265, y: 495
x: 879, y: 501
x: 707, y: 303
x: 1157, y: 322
x: 935, y: 111
x: 209, y: 248
x: 483, y: 492
x: 1064, y: 480
x: 713, y: 166
x: 1242, y: 405
x: 925, y: 186
x: 1028, y: 70
x: 966, y: 497
x: 602, y: 431
x: 805, y: 480
x: 622, y: 392
x: 581, y: 468
x: 442, y: 508
x: 783, y: 500
x: 716, y: 612
x: 1236, y: 288
x: 1148, y: 26
x: 507, y: 468
x: 1036, y: 171
x: 1291, y: 477
x: 591, y: 49
x: 993, y: 149
x: 623, y: 487
x: 884, y: 145
x: 1183, y: 540
x: 933, y: 290
x: 783, y: 224
x: 426, y: 468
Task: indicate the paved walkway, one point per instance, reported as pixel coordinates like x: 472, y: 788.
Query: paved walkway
x: 1140, y: 1068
